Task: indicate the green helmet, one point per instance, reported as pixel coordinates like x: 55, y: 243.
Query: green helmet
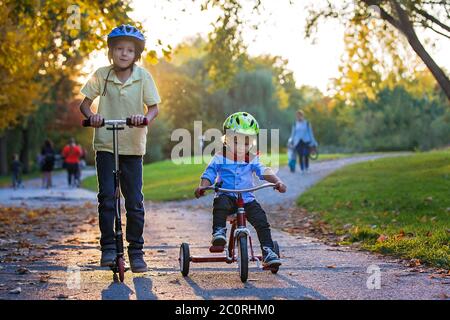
x: 241, y: 122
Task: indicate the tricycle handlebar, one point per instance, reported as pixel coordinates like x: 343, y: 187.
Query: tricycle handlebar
x: 262, y: 186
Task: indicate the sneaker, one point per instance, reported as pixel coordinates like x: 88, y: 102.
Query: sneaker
x: 270, y: 258
x: 219, y: 237
x: 137, y: 263
x: 108, y: 257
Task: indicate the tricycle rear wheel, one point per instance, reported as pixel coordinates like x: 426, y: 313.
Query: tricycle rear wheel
x: 184, y: 259
x: 276, y: 249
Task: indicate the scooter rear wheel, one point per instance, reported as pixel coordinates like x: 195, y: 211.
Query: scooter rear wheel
x: 121, y: 268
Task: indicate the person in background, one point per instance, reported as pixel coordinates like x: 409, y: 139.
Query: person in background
x: 16, y: 169
x: 72, y: 154
x: 47, y: 163
x: 302, y: 138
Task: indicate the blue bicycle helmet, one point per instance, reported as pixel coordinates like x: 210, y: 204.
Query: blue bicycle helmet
x: 127, y: 31
x: 131, y: 33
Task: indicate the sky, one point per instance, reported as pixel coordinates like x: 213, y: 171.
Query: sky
x: 280, y: 32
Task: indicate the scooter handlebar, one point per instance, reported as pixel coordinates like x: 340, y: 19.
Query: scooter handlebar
x: 127, y: 121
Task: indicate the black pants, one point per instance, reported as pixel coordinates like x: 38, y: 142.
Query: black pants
x: 72, y: 169
x: 131, y: 187
x: 225, y: 205
x: 302, y: 149
x: 16, y: 179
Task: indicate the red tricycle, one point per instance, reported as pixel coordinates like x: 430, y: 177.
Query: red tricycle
x: 237, y: 250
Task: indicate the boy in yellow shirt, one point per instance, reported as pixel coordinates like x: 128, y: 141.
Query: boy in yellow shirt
x: 125, y: 90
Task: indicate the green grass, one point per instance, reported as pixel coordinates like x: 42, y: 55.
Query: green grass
x: 405, y: 198
x: 165, y: 180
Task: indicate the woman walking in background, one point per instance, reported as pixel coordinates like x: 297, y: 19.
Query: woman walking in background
x: 302, y: 138
x: 47, y: 163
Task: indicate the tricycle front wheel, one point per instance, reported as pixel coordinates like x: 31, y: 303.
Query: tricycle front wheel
x: 243, y: 258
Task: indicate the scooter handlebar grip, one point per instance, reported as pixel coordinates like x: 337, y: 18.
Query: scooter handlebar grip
x: 144, y: 122
x: 87, y: 123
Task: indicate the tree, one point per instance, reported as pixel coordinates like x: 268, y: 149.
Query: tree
x: 403, y: 15
x: 42, y: 45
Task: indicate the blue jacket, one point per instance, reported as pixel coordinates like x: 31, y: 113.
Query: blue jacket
x: 234, y: 174
x: 305, y: 135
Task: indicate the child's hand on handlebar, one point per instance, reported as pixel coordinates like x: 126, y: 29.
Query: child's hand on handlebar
x: 96, y: 120
x: 281, y: 187
x: 137, y: 120
x: 199, y: 192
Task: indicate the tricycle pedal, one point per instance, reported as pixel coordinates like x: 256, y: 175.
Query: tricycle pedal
x: 216, y: 249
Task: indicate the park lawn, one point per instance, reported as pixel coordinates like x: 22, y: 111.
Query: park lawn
x: 164, y: 180
x: 398, y: 206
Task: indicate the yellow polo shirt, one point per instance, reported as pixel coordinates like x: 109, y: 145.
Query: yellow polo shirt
x: 121, y: 101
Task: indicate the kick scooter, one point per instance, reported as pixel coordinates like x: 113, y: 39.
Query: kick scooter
x: 118, y: 266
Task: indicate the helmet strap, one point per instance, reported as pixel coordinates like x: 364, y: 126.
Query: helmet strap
x: 115, y: 68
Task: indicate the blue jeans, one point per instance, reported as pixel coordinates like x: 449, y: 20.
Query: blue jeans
x: 303, y: 154
x: 131, y: 188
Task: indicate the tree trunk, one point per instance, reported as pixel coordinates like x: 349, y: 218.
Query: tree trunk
x: 3, y: 153
x: 437, y: 72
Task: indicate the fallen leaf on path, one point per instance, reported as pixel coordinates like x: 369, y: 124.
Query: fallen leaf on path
x: 331, y: 266
x: 414, y: 263
x: 73, y: 240
x: 24, y: 244
x: 22, y: 270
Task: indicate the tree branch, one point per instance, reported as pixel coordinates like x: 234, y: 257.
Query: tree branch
x: 433, y: 19
x: 438, y: 32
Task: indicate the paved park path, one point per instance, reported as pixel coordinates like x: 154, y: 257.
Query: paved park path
x: 310, y: 270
